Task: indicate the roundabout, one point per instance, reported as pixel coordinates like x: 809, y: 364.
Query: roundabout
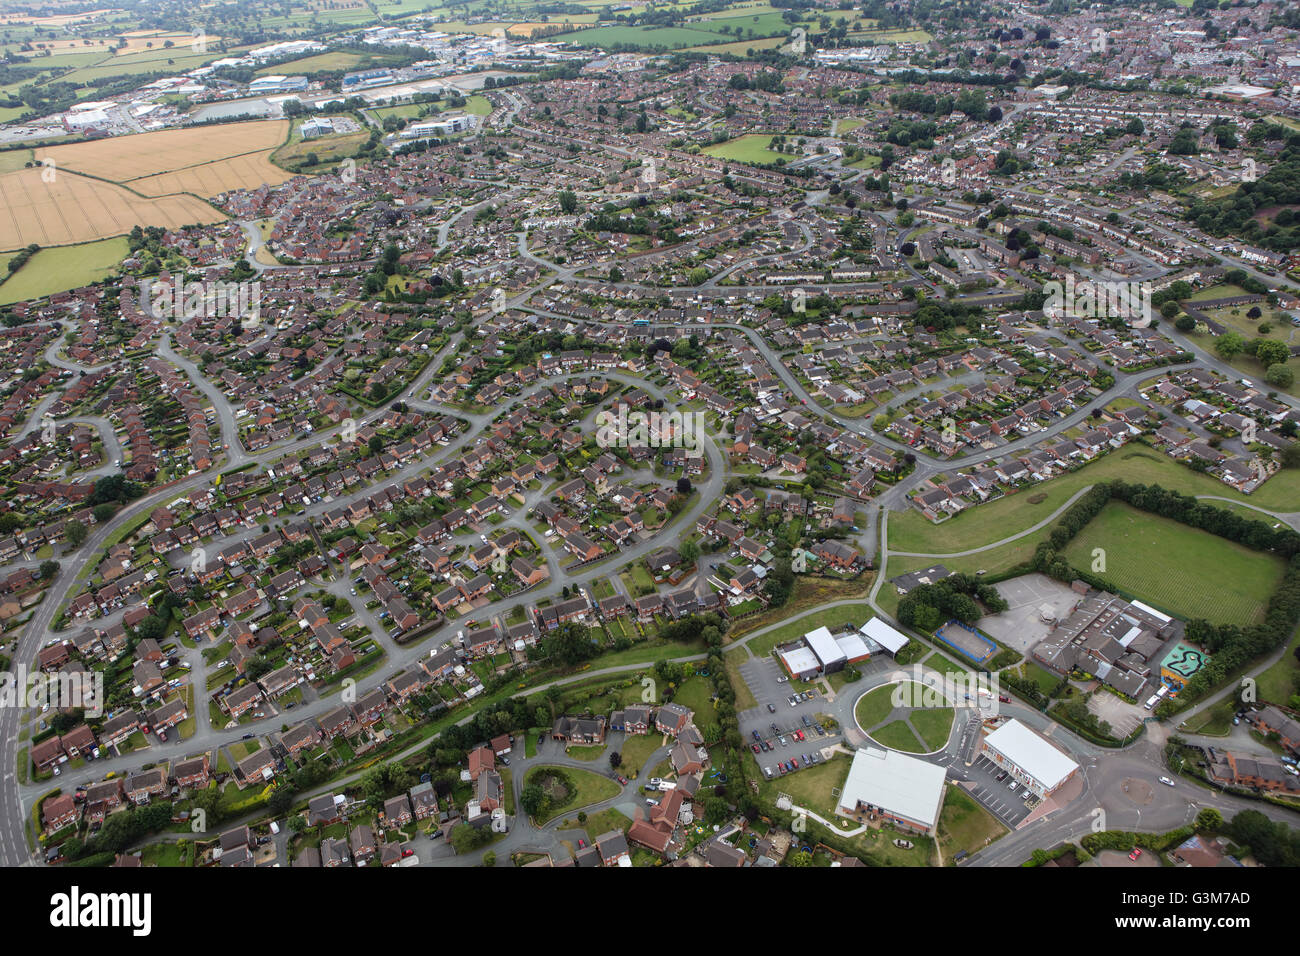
x: 907, y: 716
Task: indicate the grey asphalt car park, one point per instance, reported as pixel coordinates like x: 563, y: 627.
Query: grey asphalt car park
x: 995, y: 795
x: 761, y: 674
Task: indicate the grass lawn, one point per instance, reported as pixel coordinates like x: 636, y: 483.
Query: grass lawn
x: 697, y: 694
x: 984, y: 524
x: 833, y: 618
x: 1045, y: 680
x: 1214, y: 721
x: 59, y: 268
x: 1280, y: 681
x: 750, y: 148
x: 586, y: 753
x: 965, y: 825
x: 588, y: 788
x: 636, y: 751
x: 744, y: 696
x: 598, y: 824
x: 899, y: 736
x: 811, y: 788
x: 1182, y: 570
x: 875, y: 706
x: 946, y: 665
x: 933, y: 724
x: 168, y: 854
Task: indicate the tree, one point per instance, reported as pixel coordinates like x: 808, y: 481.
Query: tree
x: 799, y: 858
x: 689, y: 551
x: 1185, y: 323
x: 616, y: 760
x: 533, y: 799
x: 569, y: 644
x: 683, y: 485
x: 489, y: 858
x: 1270, y: 352
x: 75, y: 532
x: 466, y: 838
x: 1280, y: 375
x: 1230, y: 344
x: 568, y: 201
x: 1209, y: 820
x: 376, y: 444
x: 48, y: 570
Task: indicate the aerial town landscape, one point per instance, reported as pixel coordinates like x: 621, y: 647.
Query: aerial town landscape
x: 672, y: 433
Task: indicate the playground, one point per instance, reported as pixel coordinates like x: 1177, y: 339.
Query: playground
x: 967, y: 641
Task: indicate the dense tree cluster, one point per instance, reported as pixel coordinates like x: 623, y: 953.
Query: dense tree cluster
x: 957, y: 597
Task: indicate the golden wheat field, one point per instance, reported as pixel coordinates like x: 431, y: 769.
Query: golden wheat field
x: 209, y: 179
x: 125, y: 158
x: 74, y: 208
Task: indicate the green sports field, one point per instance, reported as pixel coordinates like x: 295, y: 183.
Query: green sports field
x: 1181, y: 570
x: 750, y: 148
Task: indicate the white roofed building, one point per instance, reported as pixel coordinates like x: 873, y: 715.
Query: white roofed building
x: 1029, y: 758
x: 829, y: 655
x: 878, y: 633
x: 893, y: 786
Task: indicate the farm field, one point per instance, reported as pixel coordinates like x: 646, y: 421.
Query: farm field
x: 74, y: 209
x: 64, y: 267
x: 333, y: 60
x: 211, y: 179
x: 706, y: 32
x: 739, y: 47
x: 1172, y: 566
x: 126, y: 158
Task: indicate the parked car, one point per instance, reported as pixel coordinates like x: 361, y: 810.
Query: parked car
x: 771, y: 708
x: 1166, y: 781
x: 1135, y: 854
